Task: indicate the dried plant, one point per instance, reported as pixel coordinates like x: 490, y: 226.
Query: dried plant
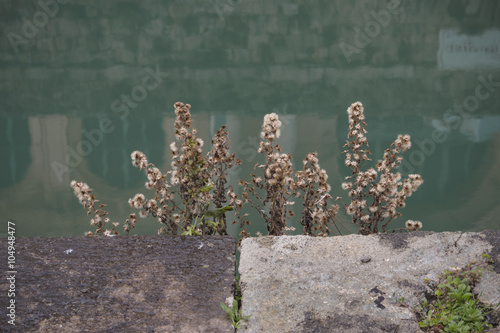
x: 312, y: 186
x: 375, y: 194
x: 413, y: 225
x: 196, y: 181
x: 278, y: 182
x: 190, y: 174
x: 162, y: 206
x: 185, y: 194
x: 220, y: 161
x: 84, y: 194
x: 192, y: 196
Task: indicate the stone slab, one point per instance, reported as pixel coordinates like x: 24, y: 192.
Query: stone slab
x: 121, y: 284
x: 351, y: 283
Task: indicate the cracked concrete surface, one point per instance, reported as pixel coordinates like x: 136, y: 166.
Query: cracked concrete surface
x: 352, y: 283
x: 121, y: 284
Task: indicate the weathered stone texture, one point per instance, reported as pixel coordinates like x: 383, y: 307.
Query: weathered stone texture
x: 352, y: 283
x: 121, y: 284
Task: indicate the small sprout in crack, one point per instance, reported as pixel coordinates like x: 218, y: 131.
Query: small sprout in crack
x: 234, y: 313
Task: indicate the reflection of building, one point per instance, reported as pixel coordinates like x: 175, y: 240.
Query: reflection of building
x: 460, y: 51
x: 43, y: 196
x: 111, y: 158
x: 32, y: 145
x: 14, y: 150
x: 280, y: 52
x: 38, y: 196
x: 476, y: 129
x: 465, y: 169
x: 475, y: 198
x: 480, y: 129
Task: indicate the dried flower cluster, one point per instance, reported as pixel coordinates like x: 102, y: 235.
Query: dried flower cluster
x: 220, y: 160
x: 184, y: 195
x: 84, y: 194
x: 375, y: 194
x: 280, y: 185
x: 190, y: 174
x: 192, y: 196
x: 277, y: 183
x: 316, y: 215
x: 161, y: 206
x: 413, y: 225
x: 198, y: 182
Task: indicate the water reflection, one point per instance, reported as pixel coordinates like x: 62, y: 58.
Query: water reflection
x: 462, y: 51
x: 429, y: 69
x: 461, y: 165
x: 15, y: 150
x: 111, y: 159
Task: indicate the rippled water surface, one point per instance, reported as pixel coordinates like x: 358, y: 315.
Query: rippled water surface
x: 85, y: 83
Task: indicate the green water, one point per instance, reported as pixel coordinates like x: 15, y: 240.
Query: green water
x: 83, y: 84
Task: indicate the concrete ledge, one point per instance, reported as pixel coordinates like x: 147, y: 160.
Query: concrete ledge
x: 352, y: 283
x: 121, y: 284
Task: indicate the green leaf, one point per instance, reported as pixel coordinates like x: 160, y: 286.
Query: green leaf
x: 218, y: 212
x: 234, y: 314
x: 225, y: 308
x: 191, y: 231
x: 206, y: 188
x: 229, y: 312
